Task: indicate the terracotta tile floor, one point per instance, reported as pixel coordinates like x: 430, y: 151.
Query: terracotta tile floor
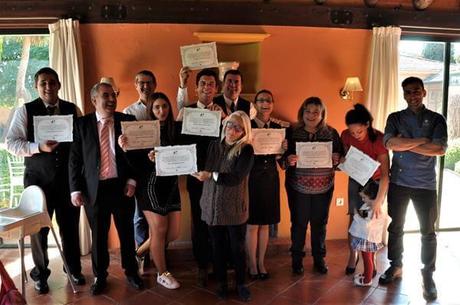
x: 281, y: 289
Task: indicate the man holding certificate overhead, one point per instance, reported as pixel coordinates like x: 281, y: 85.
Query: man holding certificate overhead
x: 314, y: 149
x: 230, y: 99
x: 206, y: 83
x: 417, y: 136
x: 46, y: 166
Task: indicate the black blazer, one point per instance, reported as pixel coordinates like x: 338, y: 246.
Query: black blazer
x: 85, y: 158
x: 242, y: 104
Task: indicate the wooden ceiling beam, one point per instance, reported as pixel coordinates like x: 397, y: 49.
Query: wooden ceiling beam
x: 232, y: 12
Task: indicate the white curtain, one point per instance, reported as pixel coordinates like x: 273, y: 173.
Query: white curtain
x: 382, y: 98
x: 66, y: 58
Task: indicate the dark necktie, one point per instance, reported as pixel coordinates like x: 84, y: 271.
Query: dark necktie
x: 265, y: 125
x: 51, y: 110
x: 232, y: 107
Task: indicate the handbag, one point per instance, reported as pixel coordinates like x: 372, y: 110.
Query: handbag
x: 9, y: 294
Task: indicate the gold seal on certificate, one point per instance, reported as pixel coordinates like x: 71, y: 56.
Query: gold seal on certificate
x: 141, y: 134
x: 359, y: 166
x: 314, y: 154
x: 201, y: 122
x: 175, y: 160
x: 199, y: 56
x: 268, y: 141
x: 57, y: 128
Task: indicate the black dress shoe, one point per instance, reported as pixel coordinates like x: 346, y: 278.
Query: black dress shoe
x: 430, y: 293
x: 41, y: 286
x: 320, y: 266
x: 135, y: 281
x: 351, y: 270
x: 297, y: 266
x: 297, y: 270
x: 253, y: 277
x: 78, y: 279
x: 264, y: 276
x: 98, y: 286
x: 243, y: 293
x: 390, y: 275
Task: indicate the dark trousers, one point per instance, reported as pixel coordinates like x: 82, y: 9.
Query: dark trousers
x: 425, y: 206
x: 67, y: 218
x: 200, y: 235
x: 304, y: 209
x: 220, y: 236
x: 111, y: 201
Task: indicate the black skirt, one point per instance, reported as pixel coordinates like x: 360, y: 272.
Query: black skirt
x: 264, y: 192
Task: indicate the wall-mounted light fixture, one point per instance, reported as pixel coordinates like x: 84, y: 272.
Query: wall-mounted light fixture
x: 352, y: 84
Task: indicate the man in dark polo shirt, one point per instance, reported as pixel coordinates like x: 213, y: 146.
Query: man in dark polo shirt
x: 46, y: 166
x: 417, y: 136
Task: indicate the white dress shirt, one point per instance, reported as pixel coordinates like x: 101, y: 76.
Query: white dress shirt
x: 16, y: 138
x: 139, y: 110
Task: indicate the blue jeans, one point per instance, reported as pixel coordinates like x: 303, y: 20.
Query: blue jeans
x: 141, y: 227
x: 424, y: 201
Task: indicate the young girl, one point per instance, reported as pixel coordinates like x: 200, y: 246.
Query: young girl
x: 373, y: 230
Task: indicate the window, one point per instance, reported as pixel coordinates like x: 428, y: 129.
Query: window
x: 428, y: 60
x: 20, y: 57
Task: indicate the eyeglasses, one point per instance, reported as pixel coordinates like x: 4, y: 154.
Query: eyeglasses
x: 234, y: 126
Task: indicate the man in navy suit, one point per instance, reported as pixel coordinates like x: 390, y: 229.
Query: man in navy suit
x: 102, y: 180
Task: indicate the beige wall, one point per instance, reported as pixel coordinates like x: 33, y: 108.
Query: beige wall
x: 295, y: 63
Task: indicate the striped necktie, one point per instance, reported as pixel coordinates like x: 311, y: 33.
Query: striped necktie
x: 107, y: 156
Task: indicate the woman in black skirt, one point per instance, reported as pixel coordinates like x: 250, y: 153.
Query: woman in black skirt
x: 264, y: 192
x: 158, y: 197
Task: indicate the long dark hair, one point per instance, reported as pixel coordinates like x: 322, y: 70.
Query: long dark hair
x: 169, y: 122
x: 360, y: 115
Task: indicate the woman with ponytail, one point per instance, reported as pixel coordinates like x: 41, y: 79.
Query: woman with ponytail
x: 364, y: 137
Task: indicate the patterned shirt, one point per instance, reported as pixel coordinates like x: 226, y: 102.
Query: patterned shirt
x: 312, y: 180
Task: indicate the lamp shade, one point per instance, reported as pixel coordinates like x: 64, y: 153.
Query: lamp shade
x: 352, y: 84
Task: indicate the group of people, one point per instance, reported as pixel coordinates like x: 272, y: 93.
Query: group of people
x: 235, y: 195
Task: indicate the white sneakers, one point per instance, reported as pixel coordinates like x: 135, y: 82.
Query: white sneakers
x: 167, y: 280
x: 358, y: 279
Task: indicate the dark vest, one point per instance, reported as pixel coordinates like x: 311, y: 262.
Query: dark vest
x: 44, y: 168
x: 242, y: 104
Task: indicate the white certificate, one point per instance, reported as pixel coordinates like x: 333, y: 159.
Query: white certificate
x: 175, y: 160
x: 199, y: 56
x: 141, y: 134
x: 201, y: 122
x: 57, y: 128
x: 359, y: 166
x: 268, y: 141
x: 314, y: 154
